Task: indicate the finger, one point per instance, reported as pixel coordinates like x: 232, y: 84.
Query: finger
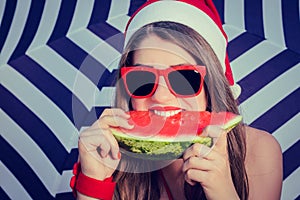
x: 213, y: 131
x: 197, y: 163
x: 115, y: 112
x: 92, y: 139
x: 193, y: 175
x: 102, y: 142
x: 114, y: 121
x: 112, y: 117
x: 198, y: 150
x: 103, y: 149
x: 114, y: 146
x: 219, y: 137
x: 190, y: 181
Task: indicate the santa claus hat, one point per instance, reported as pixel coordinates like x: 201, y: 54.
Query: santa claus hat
x: 200, y: 15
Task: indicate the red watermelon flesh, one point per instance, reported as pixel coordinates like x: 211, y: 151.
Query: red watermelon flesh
x: 159, y: 138
x: 182, y: 126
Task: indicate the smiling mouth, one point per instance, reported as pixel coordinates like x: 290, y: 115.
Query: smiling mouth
x: 166, y: 113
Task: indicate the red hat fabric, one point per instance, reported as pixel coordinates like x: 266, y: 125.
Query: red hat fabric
x: 200, y: 15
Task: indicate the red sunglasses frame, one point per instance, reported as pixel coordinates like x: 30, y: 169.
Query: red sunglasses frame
x: 163, y: 72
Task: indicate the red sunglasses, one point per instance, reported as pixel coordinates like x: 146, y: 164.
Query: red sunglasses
x: 182, y: 81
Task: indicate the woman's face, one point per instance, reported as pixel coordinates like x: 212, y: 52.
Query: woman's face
x: 162, y: 54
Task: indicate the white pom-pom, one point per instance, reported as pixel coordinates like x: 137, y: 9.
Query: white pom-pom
x: 236, y: 90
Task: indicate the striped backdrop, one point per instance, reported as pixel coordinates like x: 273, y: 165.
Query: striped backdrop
x: 57, y: 63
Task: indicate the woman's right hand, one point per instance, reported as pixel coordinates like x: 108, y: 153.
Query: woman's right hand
x: 99, y: 153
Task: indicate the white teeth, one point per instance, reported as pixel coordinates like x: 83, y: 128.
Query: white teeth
x: 166, y: 113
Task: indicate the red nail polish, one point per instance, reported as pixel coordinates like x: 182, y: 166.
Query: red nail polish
x: 119, y: 155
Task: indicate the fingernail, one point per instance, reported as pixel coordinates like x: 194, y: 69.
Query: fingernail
x: 130, y: 122
x: 131, y: 126
x: 119, y: 155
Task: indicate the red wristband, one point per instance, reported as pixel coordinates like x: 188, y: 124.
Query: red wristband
x: 92, y: 187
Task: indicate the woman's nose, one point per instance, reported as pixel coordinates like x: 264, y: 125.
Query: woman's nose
x: 162, y: 93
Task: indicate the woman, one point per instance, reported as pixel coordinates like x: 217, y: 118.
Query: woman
x: 244, y: 163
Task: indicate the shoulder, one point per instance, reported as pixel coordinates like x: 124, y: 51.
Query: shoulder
x: 261, y: 144
x: 263, y: 164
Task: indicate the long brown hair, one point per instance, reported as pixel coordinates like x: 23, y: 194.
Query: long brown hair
x: 219, y: 98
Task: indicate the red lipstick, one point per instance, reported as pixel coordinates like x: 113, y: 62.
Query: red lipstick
x: 165, y: 108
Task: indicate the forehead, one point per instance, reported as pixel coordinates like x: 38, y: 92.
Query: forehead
x: 156, y: 51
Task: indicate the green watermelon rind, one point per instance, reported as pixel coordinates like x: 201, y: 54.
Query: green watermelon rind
x: 232, y: 123
x: 155, y: 148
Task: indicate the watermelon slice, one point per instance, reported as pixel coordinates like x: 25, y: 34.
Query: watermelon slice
x: 162, y: 138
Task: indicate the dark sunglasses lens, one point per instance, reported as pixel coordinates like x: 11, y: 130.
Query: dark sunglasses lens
x: 185, y: 82
x: 140, y: 83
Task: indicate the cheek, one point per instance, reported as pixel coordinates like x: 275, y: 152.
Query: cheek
x: 202, y: 102
x: 198, y: 103
x: 139, y: 104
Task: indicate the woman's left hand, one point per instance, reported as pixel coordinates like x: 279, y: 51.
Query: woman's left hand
x: 210, y: 166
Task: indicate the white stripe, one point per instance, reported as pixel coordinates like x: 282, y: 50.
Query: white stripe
x: 288, y: 134
x: 97, y: 48
x: 30, y: 151
x: 85, y: 40
x: 117, y: 16
x: 119, y: 22
x: 11, y: 185
x: 232, y: 32
x: 109, y: 94
x: 63, y: 182
x: 234, y: 13
x: 290, y: 187
x: 118, y: 8
x: 67, y: 74
x: 272, y: 19
x: 15, y: 31
x: 81, y: 15
x: 2, y: 10
x: 46, y: 25
x: 253, y: 58
x: 271, y: 94
x: 44, y: 108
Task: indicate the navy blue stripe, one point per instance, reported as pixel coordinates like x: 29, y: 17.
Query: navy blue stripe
x: 134, y: 5
x: 254, y: 17
x: 46, y: 83
x: 79, y: 113
x: 291, y: 24
x: 22, y: 171
x: 34, y: 127
x: 70, y: 160
x: 32, y: 24
x: 267, y: 73
x: 291, y: 159
x: 97, y: 72
x: 69, y: 51
x: 298, y: 198
x: 280, y: 113
x: 9, y: 11
x: 100, y: 11
x: 65, y: 196
x: 220, y: 7
x: 3, y: 195
x: 110, y: 34
x: 93, y: 115
x: 64, y: 19
x: 90, y: 67
x: 111, y: 80
x: 241, y: 44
